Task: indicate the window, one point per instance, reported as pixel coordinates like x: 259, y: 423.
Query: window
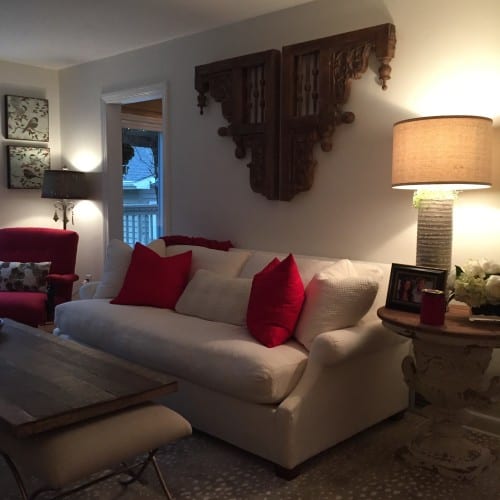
x: 141, y: 177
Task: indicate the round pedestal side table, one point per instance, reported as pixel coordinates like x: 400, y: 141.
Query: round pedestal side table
x: 447, y: 368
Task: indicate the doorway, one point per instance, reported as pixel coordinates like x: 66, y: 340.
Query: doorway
x: 142, y: 164
x: 146, y: 135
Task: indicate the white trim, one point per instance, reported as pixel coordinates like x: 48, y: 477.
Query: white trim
x: 128, y: 96
x: 146, y: 93
x: 142, y: 122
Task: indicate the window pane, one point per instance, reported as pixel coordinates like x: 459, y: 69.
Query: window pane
x: 141, y: 185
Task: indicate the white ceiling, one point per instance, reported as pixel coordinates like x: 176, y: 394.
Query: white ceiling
x: 60, y: 33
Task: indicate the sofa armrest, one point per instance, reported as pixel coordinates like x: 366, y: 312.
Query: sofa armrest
x: 336, y: 346
x: 87, y: 290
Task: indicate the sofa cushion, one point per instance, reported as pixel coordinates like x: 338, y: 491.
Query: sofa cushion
x: 335, y: 298
x: 152, y: 280
x: 307, y: 266
x: 25, y: 307
x: 116, y: 262
x: 218, y: 261
x: 275, y: 302
x: 24, y: 276
x: 216, y: 298
x: 218, y: 356
x: 158, y: 246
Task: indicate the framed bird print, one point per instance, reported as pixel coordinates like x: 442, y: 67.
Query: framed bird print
x: 27, y: 118
x: 26, y: 166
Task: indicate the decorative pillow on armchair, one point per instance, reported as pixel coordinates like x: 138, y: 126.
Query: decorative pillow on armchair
x: 335, y: 298
x: 24, y: 276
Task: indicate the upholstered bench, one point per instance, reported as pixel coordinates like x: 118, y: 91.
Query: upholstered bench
x: 72, y: 453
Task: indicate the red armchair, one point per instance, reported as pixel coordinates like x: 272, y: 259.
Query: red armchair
x: 33, y: 244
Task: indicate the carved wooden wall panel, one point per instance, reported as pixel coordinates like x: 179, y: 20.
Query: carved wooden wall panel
x: 315, y: 85
x: 248, y: 89
x: 317, y: 78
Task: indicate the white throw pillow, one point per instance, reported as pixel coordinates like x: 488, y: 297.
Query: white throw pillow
x: 335, y: 298
x: 158, y: 246
x: 116, y: 262
x: 215, y: 297
x: 226, y: 263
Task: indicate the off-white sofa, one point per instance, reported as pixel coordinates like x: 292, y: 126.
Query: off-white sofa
x: 285, y: 403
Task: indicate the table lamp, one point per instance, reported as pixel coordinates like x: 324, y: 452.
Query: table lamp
x: 64, y: 185
x: 438, y: 156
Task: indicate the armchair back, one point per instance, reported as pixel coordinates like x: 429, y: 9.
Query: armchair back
x: 35, y: 244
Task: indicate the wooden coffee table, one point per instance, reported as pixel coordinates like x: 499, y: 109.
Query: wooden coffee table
x: 48, y: 382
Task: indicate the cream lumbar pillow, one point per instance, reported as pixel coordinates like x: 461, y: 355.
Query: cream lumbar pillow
x: 335, y: 298
x: 216, y: 297
x: 116, y: 262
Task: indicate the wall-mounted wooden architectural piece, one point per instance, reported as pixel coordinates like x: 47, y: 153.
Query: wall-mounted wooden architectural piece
x: 248, y: 89
x: 279, y: 123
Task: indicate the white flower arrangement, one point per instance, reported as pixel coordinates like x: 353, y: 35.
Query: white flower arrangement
x: 478, y: 283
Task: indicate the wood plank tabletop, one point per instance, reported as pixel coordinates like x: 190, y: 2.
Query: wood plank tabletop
x: 457, y: 326
x: 47, y: 382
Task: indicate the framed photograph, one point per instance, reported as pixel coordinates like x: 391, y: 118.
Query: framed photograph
x: 26, y: 166
x: 27, y: 118
x: 407, y: 282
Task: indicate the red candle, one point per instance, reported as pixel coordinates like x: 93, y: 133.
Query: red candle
x: 433, y: 307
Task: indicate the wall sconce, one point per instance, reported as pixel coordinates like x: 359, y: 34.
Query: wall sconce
x: 438, y: 156
x: 64, y: 185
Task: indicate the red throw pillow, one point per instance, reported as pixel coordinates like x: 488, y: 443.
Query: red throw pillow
x: 275, y: 302
x: 152, y: 280
x: 177, y: 239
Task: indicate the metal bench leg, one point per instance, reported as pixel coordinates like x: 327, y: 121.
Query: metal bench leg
x: 161, y: 479
x: 136, y: 476
x: 17, y: 476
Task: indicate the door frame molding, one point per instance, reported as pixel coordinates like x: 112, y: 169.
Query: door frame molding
x: 112, y: 202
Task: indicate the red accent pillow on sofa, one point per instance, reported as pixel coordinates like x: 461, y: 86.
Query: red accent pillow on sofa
x: 152, y: 280
x: 275, y: 302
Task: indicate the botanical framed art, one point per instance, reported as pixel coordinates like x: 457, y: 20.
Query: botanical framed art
x: 26, y: 166
x: 407, y: 283
x: 27, y: 118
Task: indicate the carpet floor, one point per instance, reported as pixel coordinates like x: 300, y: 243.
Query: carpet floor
x: 361, y: 468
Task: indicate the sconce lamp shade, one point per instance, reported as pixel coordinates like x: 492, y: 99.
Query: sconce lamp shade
x: 448, y: 152
x: 64, y: 185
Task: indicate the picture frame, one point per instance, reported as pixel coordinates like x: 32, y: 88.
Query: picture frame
x: 27, y: 118
x: 26, y: 165
x: 407, y: 282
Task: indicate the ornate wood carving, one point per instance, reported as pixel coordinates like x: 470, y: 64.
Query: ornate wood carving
x: 317, y: 78
x: 248, y: 89
x: 315, y: 86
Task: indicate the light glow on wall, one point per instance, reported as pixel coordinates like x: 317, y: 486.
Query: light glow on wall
x: 460, y: 91
x: 87, y: 210
x: 475, y: 226
x: 476, y: 220
x: 85, y: 161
